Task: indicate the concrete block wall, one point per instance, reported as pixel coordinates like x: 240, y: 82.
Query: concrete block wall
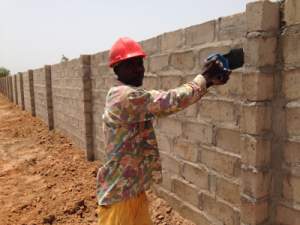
x: 20, y: 90
x: 40, y: 94
x: 196, y: 156
x: 67, y: 98
x: 2, y: 85
x: 258, y: 132
x: 101, y: 80
x: 287, y: 162
x: 28, y: 92
x: 14, y: 90
x: 233, y: 157
x: 71, y: 96
x: 10, y: 88
x: 43, y: 95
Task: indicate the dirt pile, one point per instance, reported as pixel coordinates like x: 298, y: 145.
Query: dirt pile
x: 44, y: 179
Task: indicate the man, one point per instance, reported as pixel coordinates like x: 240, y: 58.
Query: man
x: 133, y: 161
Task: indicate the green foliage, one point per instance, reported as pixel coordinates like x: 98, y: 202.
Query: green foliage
x: 4, y: 72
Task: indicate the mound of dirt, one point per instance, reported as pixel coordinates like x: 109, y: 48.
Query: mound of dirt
x: 44, y: 179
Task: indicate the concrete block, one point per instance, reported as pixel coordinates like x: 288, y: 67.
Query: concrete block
x: 262, y: 16
x: 96, y: 59
x: 232, y: 27
x: 185, y: 191
x: 189, y: 112
x: 229, y: 140
x: 183, y: 60
x: 199, y: 34
x: 164, y: 143
x: 158, y: 62
x: 170, y: 127
x: 167, y: 180
x: 291, y: 153
x: 256, y: 118
x: 260, y: 51
x: 195, y: 215
x: 255, y: 151
x: 219, y: 210
x: 254, y: 213
x: 233, y: 88
x: 172, y: 40
x: 228, y: 190
x: 217, y: 111
x: 186, y: 149
x: 104, y: 70
x: 291, y: 83
x: 287, y: 215
x: 170, y: 164
x: 170, y: 197
x: 291, y: 188
x: 152, y: 46
x: 291, y: 12
x: 151, y: 82
x: 170, y: 82
x: 258, y: 86
x: 85, y: 60
x: 291, y: 47
x: 196, y: 175
x: 198, y: 132
x: 256, y: 184
x: 108, y: 82
x: 293, y: 119
x: 222, y: 163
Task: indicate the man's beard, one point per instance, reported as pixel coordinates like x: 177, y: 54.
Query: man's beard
x: 134, y: 82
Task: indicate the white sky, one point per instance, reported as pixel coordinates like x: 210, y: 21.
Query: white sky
x: 37, y: 32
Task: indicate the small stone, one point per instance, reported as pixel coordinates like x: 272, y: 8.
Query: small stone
x: 169, y: 210
x: 49, y: 219
x: 80, y: 203
x: 160, y: 217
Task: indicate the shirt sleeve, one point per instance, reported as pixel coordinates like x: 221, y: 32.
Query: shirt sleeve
x: 141, y: 105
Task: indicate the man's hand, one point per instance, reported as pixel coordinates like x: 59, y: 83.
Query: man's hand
x: 214, y: 73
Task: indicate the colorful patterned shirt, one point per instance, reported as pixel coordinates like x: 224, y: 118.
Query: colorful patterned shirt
x: 133, y: 161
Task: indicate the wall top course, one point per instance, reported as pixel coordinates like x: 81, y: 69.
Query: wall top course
x: 231, y: 27
x: 291, y: 12
x: 262, y: 16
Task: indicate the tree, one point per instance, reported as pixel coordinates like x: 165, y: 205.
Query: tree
x: 4, y: 72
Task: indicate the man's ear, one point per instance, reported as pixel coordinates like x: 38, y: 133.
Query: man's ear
x: 116, y: 70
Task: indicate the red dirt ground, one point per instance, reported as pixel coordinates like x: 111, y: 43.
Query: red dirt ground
x: 44, y: 179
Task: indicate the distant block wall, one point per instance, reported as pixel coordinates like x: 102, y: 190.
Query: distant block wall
x: 40, y: 94
x: 72, y: 101
x: 232, y: 158
x: 20, y: 90
x: 67, y: 99
x: 28, y: 92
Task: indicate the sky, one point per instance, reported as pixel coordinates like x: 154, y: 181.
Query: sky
x: 38, y: 32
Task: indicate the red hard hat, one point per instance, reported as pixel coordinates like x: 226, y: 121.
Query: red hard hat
x: 124, y: 48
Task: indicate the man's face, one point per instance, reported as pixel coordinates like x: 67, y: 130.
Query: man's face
x: 131, y: 71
